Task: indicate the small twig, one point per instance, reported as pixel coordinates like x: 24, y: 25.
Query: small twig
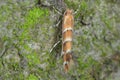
x: 54, y: 46
x: 57, y: 24
x: 57, y: 11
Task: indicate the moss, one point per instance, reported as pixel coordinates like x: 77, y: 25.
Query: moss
x: 33, y: 59
x: 4, y: 15
x: 34, y: 16
x: 32, y: 77
x: 71, y: 4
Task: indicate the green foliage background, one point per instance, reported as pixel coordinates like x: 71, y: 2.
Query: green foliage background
x: 27, y: 35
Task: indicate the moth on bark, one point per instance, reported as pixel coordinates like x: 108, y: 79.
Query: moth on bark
x: 67, y: 33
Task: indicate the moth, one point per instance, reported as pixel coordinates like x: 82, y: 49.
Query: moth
x: 67, y: 36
